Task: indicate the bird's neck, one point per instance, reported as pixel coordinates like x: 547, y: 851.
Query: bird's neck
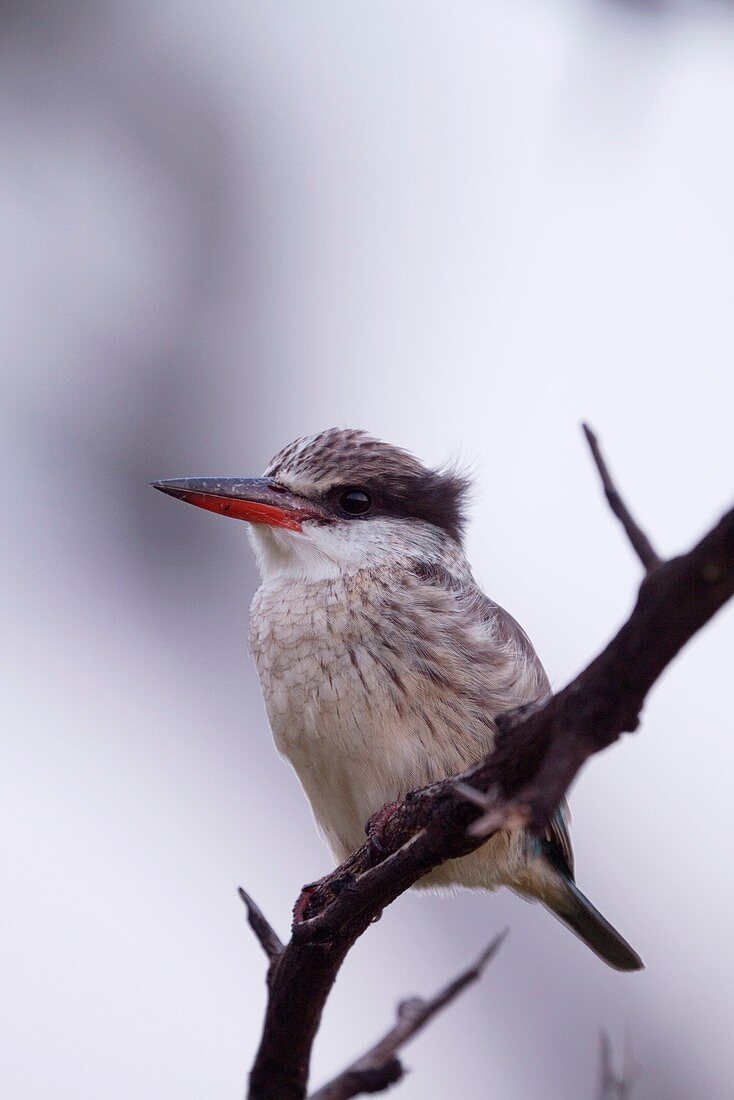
x: 321, y: 554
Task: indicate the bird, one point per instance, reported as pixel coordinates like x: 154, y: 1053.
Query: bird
x: 382, y: 664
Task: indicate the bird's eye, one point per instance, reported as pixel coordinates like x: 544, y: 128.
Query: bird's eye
x: 355, y: 502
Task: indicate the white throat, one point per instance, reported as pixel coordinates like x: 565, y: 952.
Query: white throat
x: 292, y: 555
x: 321, y: 552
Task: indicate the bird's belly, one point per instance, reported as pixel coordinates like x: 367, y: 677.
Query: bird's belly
x: 350, y: 749
x: 353, y: 753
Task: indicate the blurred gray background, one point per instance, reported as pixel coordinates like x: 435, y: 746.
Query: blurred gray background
x: 464, y: 227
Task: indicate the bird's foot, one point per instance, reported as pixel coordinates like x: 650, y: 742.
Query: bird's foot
x: 336, y: 884
x: 375, y: 829
x: 304, y: 898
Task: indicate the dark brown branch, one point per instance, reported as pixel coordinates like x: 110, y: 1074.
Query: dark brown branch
x: 266, y: 934
x: 538, y: 752
x: 640, y: 542
x: 379, y: 1068
x: 605, y: 700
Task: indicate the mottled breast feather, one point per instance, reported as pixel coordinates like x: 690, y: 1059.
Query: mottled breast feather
x: 387, y: 679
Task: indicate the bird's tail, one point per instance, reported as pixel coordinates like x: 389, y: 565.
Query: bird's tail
x: 566, y: 902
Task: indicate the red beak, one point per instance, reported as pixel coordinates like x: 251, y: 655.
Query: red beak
x: 257, y: 500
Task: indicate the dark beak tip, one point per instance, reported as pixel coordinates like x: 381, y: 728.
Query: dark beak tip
x: 170, y: 488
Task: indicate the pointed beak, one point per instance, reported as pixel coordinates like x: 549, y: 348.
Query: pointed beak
x: 257, y: 500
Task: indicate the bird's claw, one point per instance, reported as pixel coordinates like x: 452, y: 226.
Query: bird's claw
x: 375, y: 828
x: 304, y: 898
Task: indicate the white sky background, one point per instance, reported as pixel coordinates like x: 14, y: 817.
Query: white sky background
x: 465, y: 227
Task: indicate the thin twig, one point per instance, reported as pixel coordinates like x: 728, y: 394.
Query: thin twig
x: 266, y: 934
x: 612, y: 1087
x: 640, y: 542
x: 379, y: 1068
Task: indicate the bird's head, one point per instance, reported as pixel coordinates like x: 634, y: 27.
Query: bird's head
x: 335, y: 502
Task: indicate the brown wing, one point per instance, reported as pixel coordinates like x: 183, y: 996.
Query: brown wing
x: 532, y: 683
x: 557, y: 838
x: 507, y: 630
x: 503, y: 632
x: 557, y: 842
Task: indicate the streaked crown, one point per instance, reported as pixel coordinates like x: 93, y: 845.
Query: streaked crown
x: 323, y: 466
